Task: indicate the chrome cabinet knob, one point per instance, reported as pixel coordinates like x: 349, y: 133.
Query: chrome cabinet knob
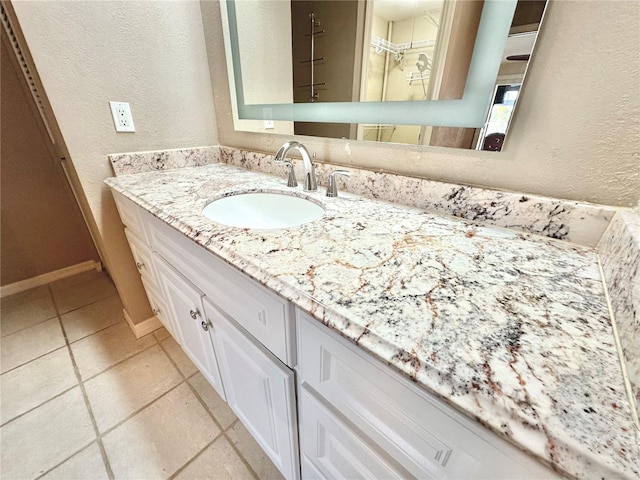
x: 140, y: 265
x: 206, y: 325
x: 156, y: 311
x: 194, y: 313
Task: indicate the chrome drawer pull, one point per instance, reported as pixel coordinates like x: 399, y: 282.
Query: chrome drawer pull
x: 194, y: 314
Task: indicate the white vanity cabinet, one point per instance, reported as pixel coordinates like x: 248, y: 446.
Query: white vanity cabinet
x: 263, y: 314
x: 353, y: 417
x: 137, y: 233
x: 184, y: 301
x: 260, y: 390
x: 352, y: 408
x: 239, y: 334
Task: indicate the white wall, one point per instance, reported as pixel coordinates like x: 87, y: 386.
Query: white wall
x: 151, y: 54
x: 576, y: 132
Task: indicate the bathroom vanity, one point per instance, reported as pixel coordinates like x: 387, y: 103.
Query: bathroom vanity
x: 383, y: 341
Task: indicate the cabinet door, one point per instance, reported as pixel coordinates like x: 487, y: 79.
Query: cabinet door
x: 185, y: 306
x: 265, y: 315
x: 143, y: 257
x: 261, y: 391
x: 159, y: 308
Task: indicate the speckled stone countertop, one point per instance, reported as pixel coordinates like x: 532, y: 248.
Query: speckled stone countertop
x: 511, y: 329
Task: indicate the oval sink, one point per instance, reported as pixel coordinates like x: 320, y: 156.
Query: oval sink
x: 262, y: 210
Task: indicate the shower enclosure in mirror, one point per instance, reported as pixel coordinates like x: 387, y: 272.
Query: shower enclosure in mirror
x: 366, y: 70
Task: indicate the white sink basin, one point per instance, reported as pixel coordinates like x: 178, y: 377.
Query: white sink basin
x: 262, y: 210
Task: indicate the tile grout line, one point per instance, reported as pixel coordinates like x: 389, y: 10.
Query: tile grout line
x: 143, y: 407
x: 57, y: 316
x: 223, y: 430
x: 139, y: 410
x: 164, y: 394
x: 57, y: 313
x: 38, y: 357
x: 57, y: 395
x: 75, y: 309
x: 26, y: 328
x: 115, y: 293
x: 221, y: 433
x: 237, y: 450
x: 148, y: 404
x: 97, y: 331
x: 111, y: 367
x: 99, y: 435
x: 193, y: 390
x: 80, y: 384
x: 193, y: 459
x: 84, y: 380
x: 47, y: 472
x: 66, y: 341
x: 103, y: 452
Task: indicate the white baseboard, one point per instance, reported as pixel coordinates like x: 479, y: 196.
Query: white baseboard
x: 143, y: 328
x: 45, y: 278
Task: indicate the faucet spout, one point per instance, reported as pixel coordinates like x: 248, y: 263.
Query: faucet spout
x: 310, y: 184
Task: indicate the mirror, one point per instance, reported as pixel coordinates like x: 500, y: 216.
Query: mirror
x: 421, y: 77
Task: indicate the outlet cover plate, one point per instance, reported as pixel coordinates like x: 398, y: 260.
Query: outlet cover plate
x: 122, y: 119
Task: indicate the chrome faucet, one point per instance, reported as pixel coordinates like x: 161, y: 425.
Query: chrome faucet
x: 310, y: 184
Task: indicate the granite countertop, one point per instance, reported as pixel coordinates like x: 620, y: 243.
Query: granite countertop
x: 511, y: 329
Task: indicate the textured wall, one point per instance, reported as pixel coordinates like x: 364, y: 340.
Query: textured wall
x: 150, y: 54
x: 42, y: 228
x: 576, y: 132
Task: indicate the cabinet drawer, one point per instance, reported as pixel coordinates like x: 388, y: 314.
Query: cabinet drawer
x: 424, y: 435
x: 143, y: 258
x: 131, y: 216
x: 330, y: 449
x: 262, y: 313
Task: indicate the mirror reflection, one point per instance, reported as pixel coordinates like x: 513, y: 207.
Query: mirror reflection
x: 382, y: 50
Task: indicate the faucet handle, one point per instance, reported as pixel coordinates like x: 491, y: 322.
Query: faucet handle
x: 332, y: 188
x: 291, y: 180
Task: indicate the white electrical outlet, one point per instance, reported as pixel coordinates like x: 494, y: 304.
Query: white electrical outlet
x: 122, y: 118
x: 268, y: 124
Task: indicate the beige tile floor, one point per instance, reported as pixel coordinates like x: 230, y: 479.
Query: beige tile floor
x: 82, y: 398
